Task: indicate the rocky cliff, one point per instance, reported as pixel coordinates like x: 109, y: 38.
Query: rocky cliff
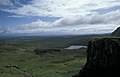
x: 116, y: 32
x: 103, y: 58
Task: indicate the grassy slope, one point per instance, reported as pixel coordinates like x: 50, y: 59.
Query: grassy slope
x: 19, y: 52
x: 63, y: 64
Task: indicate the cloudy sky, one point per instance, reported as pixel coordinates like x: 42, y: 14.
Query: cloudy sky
x: 59, y: 16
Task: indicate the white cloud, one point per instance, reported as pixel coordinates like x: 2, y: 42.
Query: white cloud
x: 77, y: 16
x: 4, y: 29
x: 91, y: 24
x: 61, y: 8
x: 34, y: 25
x: 5, y: 2
x: 108, y: 18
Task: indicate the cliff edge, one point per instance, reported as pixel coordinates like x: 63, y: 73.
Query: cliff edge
x: 116, y: 32
x: 103, y: 58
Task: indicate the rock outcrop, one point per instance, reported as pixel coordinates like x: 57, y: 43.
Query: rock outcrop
x: 103, y: 58
x: 116, y: 32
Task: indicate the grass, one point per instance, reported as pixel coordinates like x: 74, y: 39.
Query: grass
x: 62, y: 64
x: 18, y: 59
x: 50, y: 65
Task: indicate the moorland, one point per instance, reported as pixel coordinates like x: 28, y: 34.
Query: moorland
x: 42, y: 56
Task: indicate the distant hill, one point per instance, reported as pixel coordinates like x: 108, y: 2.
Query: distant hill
x: 116, y: 32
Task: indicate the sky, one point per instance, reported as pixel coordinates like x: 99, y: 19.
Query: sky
x: 59, y: 17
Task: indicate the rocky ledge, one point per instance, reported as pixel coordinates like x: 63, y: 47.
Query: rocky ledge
x: 116, y: 32
x: 103, y: 58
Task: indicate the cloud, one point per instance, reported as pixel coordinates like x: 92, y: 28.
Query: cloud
x: 89, y: 24
x: 76, y: 16
x: 59, y: 8
x: 111, y: 18
x: 5, y: 2
x: 34, y: 25
x: 16, y: 16
x: 4, y: 29
x: 108, y: 18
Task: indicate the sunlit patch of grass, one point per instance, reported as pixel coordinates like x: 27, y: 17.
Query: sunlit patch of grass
x: 61, y: 64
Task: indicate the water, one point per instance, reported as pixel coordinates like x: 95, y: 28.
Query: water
x: 75, y: 47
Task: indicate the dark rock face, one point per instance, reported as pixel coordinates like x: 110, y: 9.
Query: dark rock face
x: 103, y: 58
x: 116, y: 32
